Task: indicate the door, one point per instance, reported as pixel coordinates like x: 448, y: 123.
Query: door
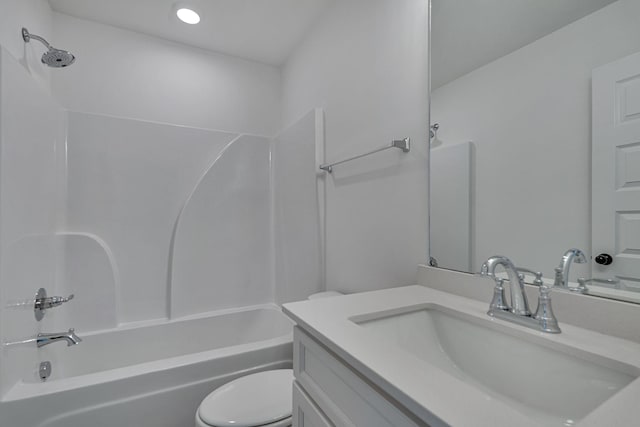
x: 616, y: 173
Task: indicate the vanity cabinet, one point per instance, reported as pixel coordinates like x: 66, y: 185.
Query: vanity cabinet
x: 327, y: 392
x: 305, y: 412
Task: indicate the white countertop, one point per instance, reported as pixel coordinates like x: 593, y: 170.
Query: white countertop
x: 434, y: 395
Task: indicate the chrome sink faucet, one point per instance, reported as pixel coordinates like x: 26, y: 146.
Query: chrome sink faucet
x: 70, y: 337
x: 543, y: 319
x: 519, y: 303
x: 562, y: 271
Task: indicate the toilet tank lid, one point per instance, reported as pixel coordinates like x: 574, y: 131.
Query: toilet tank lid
x: 250, y: 401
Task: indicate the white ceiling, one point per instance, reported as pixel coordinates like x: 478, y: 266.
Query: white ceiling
x: 261, y: 30
x: 467, y: 34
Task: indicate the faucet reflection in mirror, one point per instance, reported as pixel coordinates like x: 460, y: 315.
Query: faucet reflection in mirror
x: 562, y: 271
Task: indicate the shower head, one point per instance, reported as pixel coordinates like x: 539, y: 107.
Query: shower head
x: 58, y: 58
x: 53, y: 57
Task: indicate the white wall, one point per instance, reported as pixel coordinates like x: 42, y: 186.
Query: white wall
x: 529, y: 114
x: 365, y: 65
x: 36, y: 16
x: 127, y: 74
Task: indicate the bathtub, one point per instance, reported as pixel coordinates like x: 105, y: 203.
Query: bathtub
x: 151, y: 375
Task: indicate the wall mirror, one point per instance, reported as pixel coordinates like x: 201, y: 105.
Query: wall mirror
x: 535, y: 148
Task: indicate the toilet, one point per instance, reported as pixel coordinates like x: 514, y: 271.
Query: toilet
x: 261, y: 399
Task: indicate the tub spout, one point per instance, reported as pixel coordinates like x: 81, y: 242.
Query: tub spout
x: 70, y: 337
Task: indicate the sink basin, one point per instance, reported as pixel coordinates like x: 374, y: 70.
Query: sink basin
x: 552, y: 383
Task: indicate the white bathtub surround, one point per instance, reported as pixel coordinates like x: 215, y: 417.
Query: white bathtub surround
x: 222, y: 242
x: 122, y: 376
x: 202, y: 203
x: 128, y: 181
x: 31, y: 133
x: 609, y: 317
x: 299, y: 208
x: 388, y: 338
x: 86, y: 268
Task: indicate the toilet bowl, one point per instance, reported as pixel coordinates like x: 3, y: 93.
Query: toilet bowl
x: 262, y: 399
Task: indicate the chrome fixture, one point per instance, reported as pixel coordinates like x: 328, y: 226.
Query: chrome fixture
x: 544, y: 313
x: 543, y: 319
x: 582, y: 283
x: 53, y: 57
x: 402, y: 144
x: 519, y: 303
x: 562, y: 271
x: 70, y: 337
x: 433, y: 130
x: 42, y: 302
x: 538, y: 275
x: 44, y: 371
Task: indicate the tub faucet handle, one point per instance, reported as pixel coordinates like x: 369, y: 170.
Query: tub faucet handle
x: 43, y: 302
x: 56, y: 301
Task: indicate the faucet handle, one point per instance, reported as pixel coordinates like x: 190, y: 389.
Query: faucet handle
x: 56, y: 301
x: 43, y: 302
x: 544, y: 313
x: 499, y: 300
x: 538, y: 275
x: 484, y: 269
x: 559, y: 280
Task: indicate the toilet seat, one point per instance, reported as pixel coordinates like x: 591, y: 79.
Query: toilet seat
x: 261, y: 399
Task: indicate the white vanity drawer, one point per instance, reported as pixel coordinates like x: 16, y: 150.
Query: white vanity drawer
x: 342, y: 395
x: 305, y: 412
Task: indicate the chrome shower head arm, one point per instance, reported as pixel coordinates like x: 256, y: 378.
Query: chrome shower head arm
x: 27, y: 36
x: 56, y: 58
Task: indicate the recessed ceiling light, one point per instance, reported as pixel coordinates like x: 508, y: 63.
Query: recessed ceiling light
x: 188, y: 16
